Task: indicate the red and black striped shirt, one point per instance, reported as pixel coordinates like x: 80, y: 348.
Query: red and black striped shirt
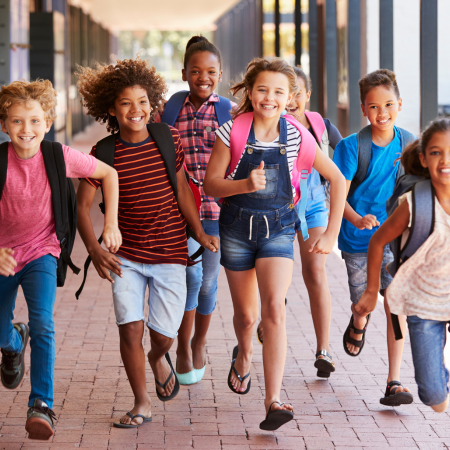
x: 153, y: 229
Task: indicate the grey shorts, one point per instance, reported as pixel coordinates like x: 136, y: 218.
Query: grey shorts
x: 357, y: 272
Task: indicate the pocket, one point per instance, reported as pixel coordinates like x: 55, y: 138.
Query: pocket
x: 209, y: 137
x: 270, y: 191
x: 227, y: 219
x: 288, y: 220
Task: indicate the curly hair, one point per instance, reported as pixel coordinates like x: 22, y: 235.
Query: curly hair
x: 100, y: 87
x: 410, y: 157
x: 381, y: 77
x: 22, y: 91
x: 255, y: 67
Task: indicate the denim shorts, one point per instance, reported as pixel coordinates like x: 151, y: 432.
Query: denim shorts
x: 428, y: 339
x: 245, y: 235
x: 316, y: 212
x: 166, y: 297
x: 357, y: 272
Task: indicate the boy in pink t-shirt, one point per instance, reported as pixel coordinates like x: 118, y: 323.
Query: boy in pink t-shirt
x: 29, y: 248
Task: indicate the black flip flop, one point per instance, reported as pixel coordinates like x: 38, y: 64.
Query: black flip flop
x: 241, y: 379
x: 276, y: 418
x: 176, y: 388
x: 129, y: 425
x: 396, y: 399
x: 351, y: 341
x: 324, y: 366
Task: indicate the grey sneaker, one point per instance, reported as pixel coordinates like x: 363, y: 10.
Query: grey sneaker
x: 13, y: 364
x: 40, y: 421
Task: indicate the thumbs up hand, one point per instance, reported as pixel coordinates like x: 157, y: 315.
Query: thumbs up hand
x: 257, y: 178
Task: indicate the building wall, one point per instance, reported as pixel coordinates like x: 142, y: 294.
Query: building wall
x: 443, y: 53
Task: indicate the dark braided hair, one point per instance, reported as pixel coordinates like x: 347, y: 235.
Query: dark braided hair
x: 200, y: 44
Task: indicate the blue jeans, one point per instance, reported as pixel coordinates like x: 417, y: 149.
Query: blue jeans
x: 428, y: 339
x: 38, y: 281
x: 201, y: 279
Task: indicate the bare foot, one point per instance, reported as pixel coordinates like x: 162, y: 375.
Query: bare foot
x: 359, y: 322
x: 198, y: 353
x: 242, y: 365
x: 397, y: 389
x: 139, y: 408
x: 273, y: 406
x: 161, y: 371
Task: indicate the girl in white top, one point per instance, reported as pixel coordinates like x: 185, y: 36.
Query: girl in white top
x: 421, y: 286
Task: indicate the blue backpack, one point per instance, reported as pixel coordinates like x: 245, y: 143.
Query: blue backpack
x: 175, y: 103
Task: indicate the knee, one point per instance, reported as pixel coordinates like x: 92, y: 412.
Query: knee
x: 41, y: 327
x: 314, y: 274
x: 159, y: 340
x: 245, y: 320
x: 274, y: 314
x: 131, y: 333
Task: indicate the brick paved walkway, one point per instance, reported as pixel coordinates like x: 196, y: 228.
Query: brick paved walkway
x: 91, y: 388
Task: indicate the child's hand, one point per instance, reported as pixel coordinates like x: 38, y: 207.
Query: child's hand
x: 369, y: 221
x: 209, y: 242
x: 104, y: 262
x: 112, y: 238
x: 257, y: 178
x: 323, y: 244
x: 367, y: 303
x: 7, y: 262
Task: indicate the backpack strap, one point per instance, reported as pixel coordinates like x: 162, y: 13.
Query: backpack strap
x: 317, y: 124
x: 163, y: 138
x: 238, y: 138
x: 55, y: 166
x: 304, y: 165
x: 173, y: 107
x: 3, y: 165
x: 105, y: 151
x: 223, y: 110
x: 422, y: 223
x: 406, y: 138
x: 364, y: 145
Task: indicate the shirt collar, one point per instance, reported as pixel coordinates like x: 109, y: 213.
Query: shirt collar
x: 212, y: 98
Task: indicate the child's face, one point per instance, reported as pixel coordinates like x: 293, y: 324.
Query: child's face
x: 26, y: 126
x: 381, y: 107
x: 132, y: 109
x: 270, y: 94
x: 298, y: 103
x: 437, y: 157
x: 202, y: 74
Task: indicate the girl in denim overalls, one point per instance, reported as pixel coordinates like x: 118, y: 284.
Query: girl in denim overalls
x: 257, y: 223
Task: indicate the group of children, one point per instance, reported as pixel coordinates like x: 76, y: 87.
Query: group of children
x: 264, y: 161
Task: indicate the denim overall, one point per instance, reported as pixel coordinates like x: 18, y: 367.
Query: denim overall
x: 259, y: 224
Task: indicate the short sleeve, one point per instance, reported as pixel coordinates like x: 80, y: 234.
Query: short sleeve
x: 78, y: 164
x: 178, y: 148
x: 346, y: 157
x: 224, y: 132
x: 93, y: 182
x: 408, y: 198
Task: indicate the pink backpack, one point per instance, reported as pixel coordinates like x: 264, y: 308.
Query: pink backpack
x: 302, y: 166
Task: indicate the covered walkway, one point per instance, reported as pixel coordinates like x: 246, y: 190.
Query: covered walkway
x: 92, y: 390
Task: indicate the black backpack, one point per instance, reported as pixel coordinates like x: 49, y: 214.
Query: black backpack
x: 160, y: 132
x: 64, y: 201
x: 422, y: 225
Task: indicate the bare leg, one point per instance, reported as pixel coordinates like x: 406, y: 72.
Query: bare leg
x: 244, y: 293
x: 133, y: 358
x: 274, y: 277
x: 199, y: 340
x: 315, y: 278
x: 160, y: 345
x: 184, y: 354
x: 441, y: 407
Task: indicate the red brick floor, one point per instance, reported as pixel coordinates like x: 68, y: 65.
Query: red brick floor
x: 91, y: 388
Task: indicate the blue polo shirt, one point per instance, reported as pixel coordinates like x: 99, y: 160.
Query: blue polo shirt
x: 371, y: 195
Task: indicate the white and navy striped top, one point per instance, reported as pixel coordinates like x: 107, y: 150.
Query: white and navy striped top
x: 292, y: 148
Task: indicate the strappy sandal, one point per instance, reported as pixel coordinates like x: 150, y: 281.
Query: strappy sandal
x: 276, y: 418
x: 130, y: 425
x: 176, y: 388
x: 349, y: 340
x: 324, y: 366
x: 391, y: 398
x: 258, y: 334
x: 241, y: 379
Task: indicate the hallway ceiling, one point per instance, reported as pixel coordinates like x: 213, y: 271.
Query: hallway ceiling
x: 119, y: 15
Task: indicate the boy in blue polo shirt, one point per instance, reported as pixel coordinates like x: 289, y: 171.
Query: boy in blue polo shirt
x: 369, y: 162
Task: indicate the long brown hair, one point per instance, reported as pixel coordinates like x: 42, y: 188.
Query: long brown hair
x: 410, y: 157
x: 255, y: 67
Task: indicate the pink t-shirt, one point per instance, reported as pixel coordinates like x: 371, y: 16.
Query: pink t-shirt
x: 27, y: 223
